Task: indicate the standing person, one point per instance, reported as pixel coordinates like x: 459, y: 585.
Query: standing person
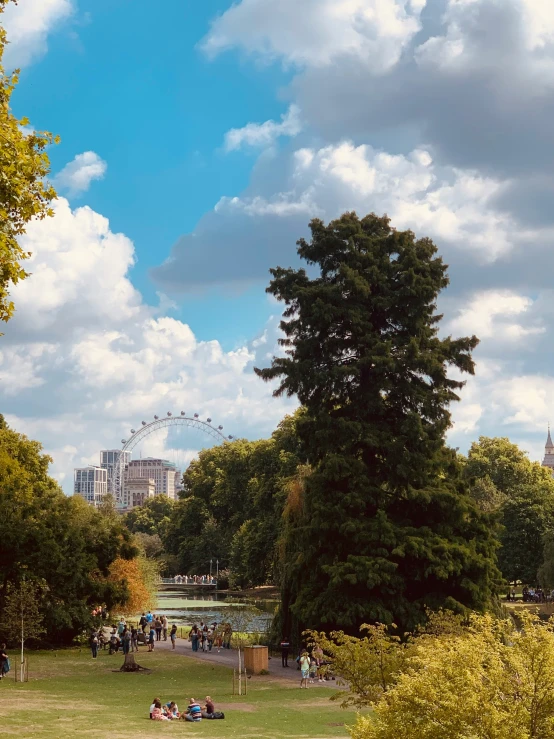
x: 149, y: 618
x: 305, y: 669
x: 285, y: 649
x: 151, y: 639
x: 204, y: 637
x: 158, y: 626
x: 165, y: 624
x: 121, y: 627
x: 134, y: 639
x: 93, y: 641
x: 4, y: 662
x: 173, y: 635
x: 193, y: 636
x: 143, y: 622
x: 126, y: 641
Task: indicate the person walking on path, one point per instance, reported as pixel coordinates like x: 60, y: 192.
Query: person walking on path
x: 173, y: 635
x: 285, y: 649
x: 164, y: 627
x: 305, y: 669
x: 158, y: 626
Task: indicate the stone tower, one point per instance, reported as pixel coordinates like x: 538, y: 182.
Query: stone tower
x: 548, y: 460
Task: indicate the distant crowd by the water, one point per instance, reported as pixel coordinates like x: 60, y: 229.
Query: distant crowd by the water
x: 190, y: 580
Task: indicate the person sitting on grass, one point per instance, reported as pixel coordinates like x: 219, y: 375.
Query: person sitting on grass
x: 156, y: 700
x: 193, y: 712
x: 157, y: 713
x: 172, y: 710
x: 209, y: 708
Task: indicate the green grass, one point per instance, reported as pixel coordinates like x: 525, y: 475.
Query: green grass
x: 69, y: 696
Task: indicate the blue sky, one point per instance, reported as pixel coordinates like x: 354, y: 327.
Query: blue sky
x: 130, y: 83
x: 199, y: 139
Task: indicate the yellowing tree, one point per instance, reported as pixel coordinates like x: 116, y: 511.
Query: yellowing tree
x: 491, y: 682
x: 139, y: 577
x: 23, y: 193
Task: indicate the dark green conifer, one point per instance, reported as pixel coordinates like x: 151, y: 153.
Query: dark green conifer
x: 384, y: 527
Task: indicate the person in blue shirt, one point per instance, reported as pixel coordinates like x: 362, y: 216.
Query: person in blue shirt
x: 194, y: 711
x: 149, y: 618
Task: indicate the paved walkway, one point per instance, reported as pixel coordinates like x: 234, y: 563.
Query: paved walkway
x: 229, y: 658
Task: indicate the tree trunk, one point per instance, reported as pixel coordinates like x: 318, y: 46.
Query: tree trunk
x: 130, y: 665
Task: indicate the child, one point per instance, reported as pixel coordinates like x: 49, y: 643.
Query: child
x: 157, y: 713
x: 313, y: 670
x: 151, y: 639
x: 173, y: 635
x: 156, y: 700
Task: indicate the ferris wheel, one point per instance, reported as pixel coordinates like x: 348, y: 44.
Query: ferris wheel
x: 137, y: 436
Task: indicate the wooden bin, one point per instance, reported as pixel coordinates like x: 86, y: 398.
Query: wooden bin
x: 255, y: 659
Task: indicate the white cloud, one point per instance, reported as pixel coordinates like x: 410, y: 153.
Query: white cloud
x: 85, y: 359
x: 76, y: 177
x: 319, y: 31
x: 450, y: 205
x: 28, y: 25
x: 264, y: 134
x: 488, y: 315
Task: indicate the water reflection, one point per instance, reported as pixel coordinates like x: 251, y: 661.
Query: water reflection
x: 186, y: 606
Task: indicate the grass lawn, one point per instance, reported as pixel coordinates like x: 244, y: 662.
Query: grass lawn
x: 70, y: 696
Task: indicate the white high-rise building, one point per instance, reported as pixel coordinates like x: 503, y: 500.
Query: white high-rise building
x: 91, y: 483
x: 108, y: 460
x: 160, y: 470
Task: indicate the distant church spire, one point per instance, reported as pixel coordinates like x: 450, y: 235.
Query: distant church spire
x: 548, y: 460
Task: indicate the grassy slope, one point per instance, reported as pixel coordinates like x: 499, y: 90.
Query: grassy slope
x: 71, y: 696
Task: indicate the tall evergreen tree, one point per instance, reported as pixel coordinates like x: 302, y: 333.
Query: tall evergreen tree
x: 382, y: 527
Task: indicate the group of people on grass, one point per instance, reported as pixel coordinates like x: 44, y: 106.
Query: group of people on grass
x: 206, y: 636
x: 531, y: 595
x: 194, y: 711
x: 126, y: 638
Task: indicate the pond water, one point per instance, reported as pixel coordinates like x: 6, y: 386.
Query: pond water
x: 186, y: 606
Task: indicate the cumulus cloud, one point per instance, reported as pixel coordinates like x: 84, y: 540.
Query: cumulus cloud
x: 264, y: 134
x: 85, y: 359
x: 455, y: 207
x: 28, y: 25
x: 76, y: 177
x: 319, y: 32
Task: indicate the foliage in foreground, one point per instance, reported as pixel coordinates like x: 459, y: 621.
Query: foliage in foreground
x: 384, y: 527
x: 23, y: 193
x: 488, y: 682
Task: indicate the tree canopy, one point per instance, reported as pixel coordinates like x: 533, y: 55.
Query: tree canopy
x: 383, y: 525
x: 58, y: 541
x: 231, y: 506
x: 24, y: 194
x: 521, y: 492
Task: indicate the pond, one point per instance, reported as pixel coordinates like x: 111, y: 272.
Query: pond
x: 186, y: 606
